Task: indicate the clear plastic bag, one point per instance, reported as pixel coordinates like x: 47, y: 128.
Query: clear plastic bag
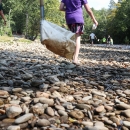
x: 57, y: 39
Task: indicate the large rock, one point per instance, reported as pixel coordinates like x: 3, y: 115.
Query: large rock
x: 24, y: 118
x: 126, y: 113
x: 13, y: 111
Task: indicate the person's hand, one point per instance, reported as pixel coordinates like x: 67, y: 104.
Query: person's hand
x: 95, y: 22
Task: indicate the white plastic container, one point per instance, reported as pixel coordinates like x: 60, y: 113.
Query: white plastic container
x: 94, y: 27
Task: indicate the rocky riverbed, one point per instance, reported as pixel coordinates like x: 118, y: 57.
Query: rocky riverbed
x: 43, y: 91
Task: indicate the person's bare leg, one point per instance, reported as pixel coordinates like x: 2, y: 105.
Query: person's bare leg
x: 77, y: 40
x: 92, y: 43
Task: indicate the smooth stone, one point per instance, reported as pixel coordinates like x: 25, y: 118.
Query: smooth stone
x: 58, y: 107
x: 36, y: 83
x: 110, y: 114
x: 71, y: 66
x: 23, y: 125
x: 8, y: 120
x: 98, y: 93
x: 14, y: 102
x: 27, y: 76
x: 83, y: 106
x: 108, y: 108
x: 60, y: 84
x: 64, y: 119
x: 126, y: 113
x: 2, y: 111
x: 77, y: 114
x: 3, y: 93
x: 25, y: 99
x: 56, y: 94
x: 24, y: 118
x: 89, y: 128
x: 50, y: 102
x: 16, y: 90
x: 100, y: 109
x: 69, y: 98
x: 42, y: 94
x: 115, y: 120
x: 13, y: 128
x: 37, y: 109
x: 125, y: 128
x: 98, y: 123
x: 108, y: 122
x: 87, y: 123
x: 87, y: 98
x: 62, y: 113
x: 65, y: 125
x: 43, y: 122
x: 36, y: 100
x: 126, y: 124
x: 127, y: 92
x: 90, y: 114
x: 13, y: 111
x: 50, y: 111
x: 123, y: 106
x: 1, y: 102
x: 62, y: 100
x: 63, y: 89
x: 101, y: 128
x: 52, y: 120
x: 29, y: 91
x: 70, y: 107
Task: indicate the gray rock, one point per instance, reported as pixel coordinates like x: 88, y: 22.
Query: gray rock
x: 24, y: 118
x: 43, y: 122
x: 13, y: 128
x: 13, y: 111
x: 126, y: 124
x: 126, y: 113
x: 50, y: 102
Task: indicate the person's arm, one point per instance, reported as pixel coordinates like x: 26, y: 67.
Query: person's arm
x: 2, y: 15
x: 89, y: 11
x: 62, y: 7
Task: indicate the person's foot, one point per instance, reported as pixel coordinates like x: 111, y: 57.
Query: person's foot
x: 76, y: 62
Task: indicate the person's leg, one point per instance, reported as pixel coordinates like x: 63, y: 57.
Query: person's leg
x: 92, y: 42
x: 77, y: 39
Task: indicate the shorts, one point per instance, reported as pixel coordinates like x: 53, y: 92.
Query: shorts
x: 76, y: 27
x: 91, y: 40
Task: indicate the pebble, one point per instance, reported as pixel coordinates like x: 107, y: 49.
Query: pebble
x: 40, y: 90
x: 24, y: 118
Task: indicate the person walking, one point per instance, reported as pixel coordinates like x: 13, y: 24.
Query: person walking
x: 104, y: 40
x: 108, y: 40
x: 111, y: 41
x: 92, y: 37
x: 1, y: 12
x: 75, y: 21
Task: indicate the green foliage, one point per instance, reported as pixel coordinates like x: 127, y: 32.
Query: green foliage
x: 52, y: 12
x: 126, y: 40
x: 23, y: 17
x: 119, y: 20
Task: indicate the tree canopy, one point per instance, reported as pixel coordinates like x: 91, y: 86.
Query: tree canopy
x: 23, y: 17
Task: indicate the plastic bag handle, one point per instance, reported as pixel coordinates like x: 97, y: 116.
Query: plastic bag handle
x: 41, y: 3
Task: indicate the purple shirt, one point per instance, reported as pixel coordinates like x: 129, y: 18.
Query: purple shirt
x: 74, y: 13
